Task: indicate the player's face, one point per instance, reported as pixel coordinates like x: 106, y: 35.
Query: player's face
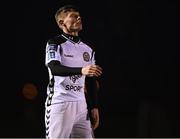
x: 73, y: 22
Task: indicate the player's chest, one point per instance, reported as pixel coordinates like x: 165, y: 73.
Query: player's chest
x: 75, y: 55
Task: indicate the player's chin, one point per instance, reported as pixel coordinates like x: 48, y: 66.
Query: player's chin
x: 78, y: 27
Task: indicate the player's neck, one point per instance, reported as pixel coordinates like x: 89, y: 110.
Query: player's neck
x: 71, y: 33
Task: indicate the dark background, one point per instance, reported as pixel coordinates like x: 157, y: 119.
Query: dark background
x: 136, y: 45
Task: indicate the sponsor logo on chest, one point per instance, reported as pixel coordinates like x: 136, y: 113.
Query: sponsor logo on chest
x: 67, y: 55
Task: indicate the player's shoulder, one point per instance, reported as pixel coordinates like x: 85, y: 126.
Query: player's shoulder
x: 56, y: 40
x: 88, y: 44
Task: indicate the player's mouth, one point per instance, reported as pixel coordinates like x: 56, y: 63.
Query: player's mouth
x: 79, y: 22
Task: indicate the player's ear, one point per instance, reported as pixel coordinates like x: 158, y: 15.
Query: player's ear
x: 61, y: 23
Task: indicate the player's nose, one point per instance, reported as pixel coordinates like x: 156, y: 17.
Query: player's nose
x: 78, y: 18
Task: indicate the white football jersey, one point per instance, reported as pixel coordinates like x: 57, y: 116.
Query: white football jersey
x: 70, y: 54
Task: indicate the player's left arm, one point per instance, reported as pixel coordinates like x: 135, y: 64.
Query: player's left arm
x: 92, y: 87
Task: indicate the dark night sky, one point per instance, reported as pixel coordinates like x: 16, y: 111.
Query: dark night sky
x: 137, y: 46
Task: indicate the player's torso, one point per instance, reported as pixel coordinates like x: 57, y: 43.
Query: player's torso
x: 71, y: 88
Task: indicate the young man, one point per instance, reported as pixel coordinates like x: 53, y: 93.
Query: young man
x: 69, y: 61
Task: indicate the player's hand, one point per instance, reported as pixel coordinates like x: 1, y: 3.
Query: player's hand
x: 95, y: 118
x: 92, y: 70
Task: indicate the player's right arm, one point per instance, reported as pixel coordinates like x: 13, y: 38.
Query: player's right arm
x: 53, y: 61
x: 58, y: 69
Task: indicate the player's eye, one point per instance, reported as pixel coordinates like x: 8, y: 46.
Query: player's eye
x: 75, y: 16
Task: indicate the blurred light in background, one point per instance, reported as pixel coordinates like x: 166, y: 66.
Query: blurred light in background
x: 29, y: 91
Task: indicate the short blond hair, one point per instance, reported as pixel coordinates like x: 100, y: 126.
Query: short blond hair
x: 62, y: 12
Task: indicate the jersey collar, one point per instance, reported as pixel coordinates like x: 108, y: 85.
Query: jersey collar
x: 75, y: 39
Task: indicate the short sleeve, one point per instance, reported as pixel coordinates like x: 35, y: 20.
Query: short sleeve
x: 52, y: 53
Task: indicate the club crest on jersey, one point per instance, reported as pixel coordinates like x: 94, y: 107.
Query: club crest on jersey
x: 86, y: 56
